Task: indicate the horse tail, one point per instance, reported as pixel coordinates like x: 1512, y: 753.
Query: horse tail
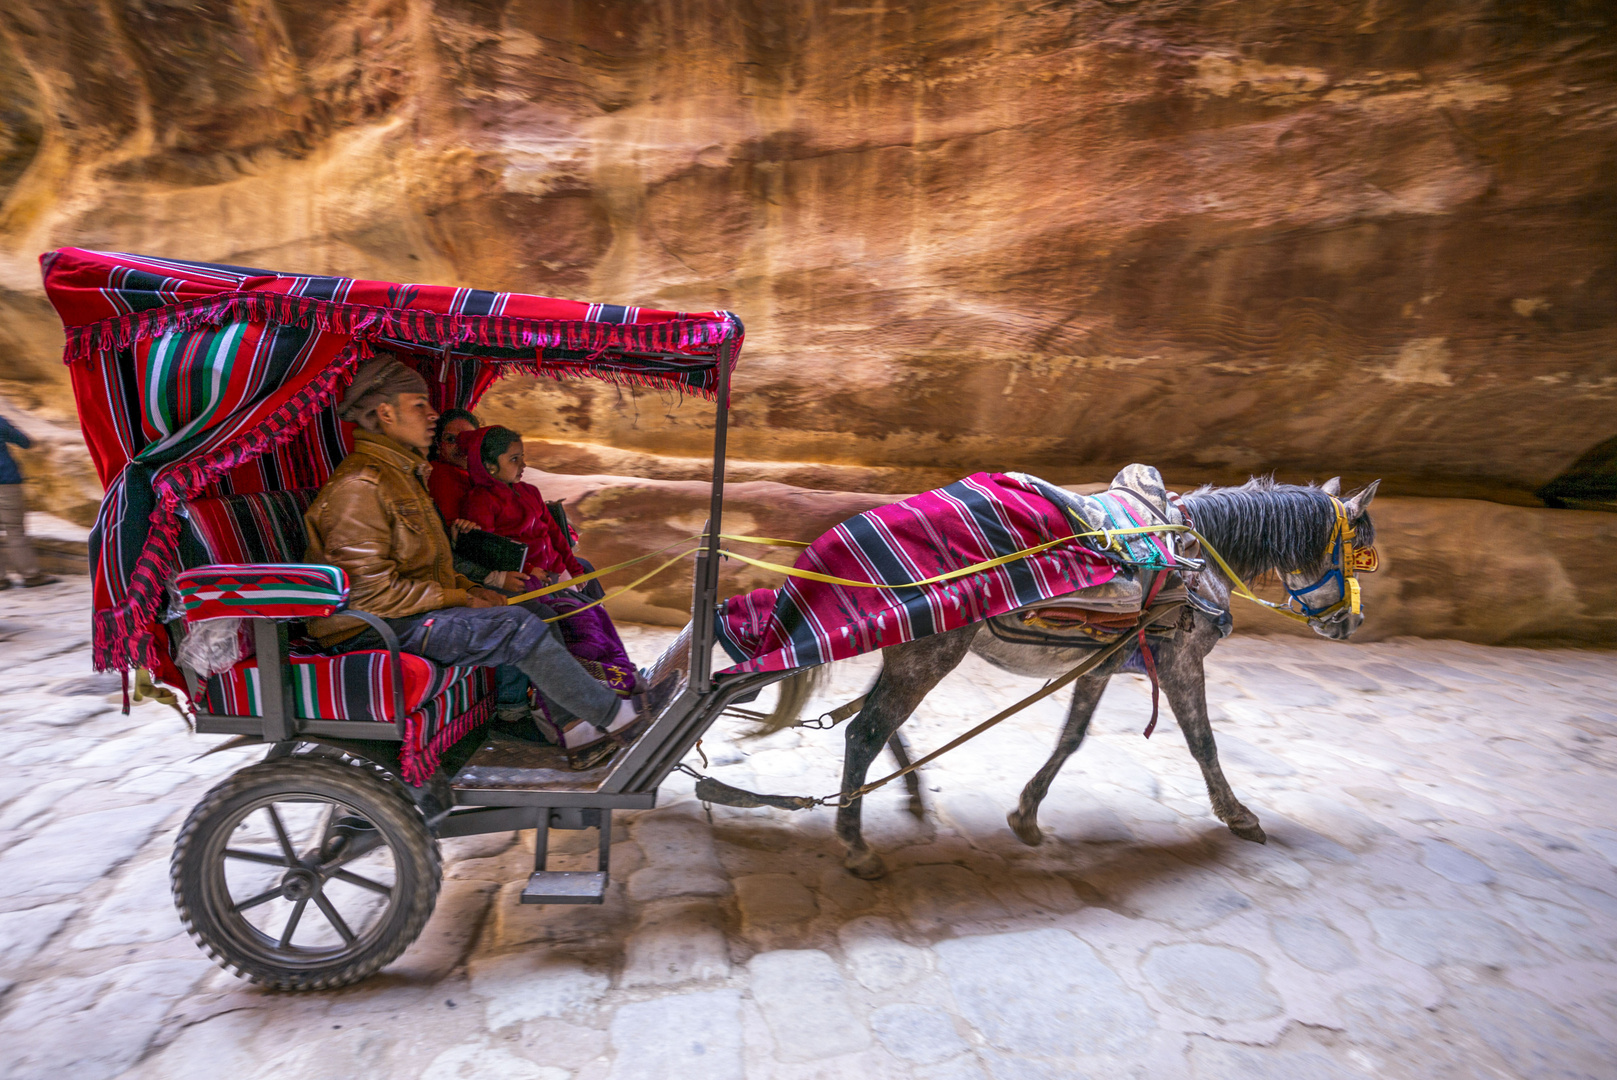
x: 795, y: 691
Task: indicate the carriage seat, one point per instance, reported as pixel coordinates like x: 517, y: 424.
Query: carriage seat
x: 241, y: 554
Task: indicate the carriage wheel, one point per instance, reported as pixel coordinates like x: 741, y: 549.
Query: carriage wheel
x: 305, y: 874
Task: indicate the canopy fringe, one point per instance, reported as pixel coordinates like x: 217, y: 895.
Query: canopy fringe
x: 699, y: 337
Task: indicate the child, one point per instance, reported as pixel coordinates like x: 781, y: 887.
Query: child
x: 501, y: 503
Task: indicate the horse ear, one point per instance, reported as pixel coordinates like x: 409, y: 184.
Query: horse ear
x: 1333, y: 486
x: 1361, y: 502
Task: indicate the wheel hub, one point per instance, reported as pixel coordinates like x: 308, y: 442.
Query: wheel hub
x: 299, y: 884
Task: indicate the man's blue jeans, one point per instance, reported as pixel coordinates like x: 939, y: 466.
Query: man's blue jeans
x: 496, y: 636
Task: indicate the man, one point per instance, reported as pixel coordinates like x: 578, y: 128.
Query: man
x: 376, y: 520
x: 18, y: 552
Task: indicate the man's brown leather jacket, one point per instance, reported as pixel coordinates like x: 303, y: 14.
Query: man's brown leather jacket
x: 375, y: 519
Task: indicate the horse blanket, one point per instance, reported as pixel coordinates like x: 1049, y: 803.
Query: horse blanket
x: 974, y: 520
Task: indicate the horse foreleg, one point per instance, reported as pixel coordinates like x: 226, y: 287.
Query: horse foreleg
x: 909, y: 672
x: 1186, y: 690
x: 1024, y: 820
x: 912, y: 780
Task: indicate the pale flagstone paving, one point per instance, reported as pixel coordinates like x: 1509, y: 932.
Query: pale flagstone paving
x: 1438, y: 897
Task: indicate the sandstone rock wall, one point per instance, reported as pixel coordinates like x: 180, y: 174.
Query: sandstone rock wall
x: 1316, y: 237
x: 1454, y: 568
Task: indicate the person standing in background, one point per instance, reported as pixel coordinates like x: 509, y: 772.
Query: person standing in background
x: 17, y: 554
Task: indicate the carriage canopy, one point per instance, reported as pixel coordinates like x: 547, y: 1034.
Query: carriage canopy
x: 196, y: 378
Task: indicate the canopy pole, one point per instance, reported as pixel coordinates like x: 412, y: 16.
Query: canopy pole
x: 704, y: 602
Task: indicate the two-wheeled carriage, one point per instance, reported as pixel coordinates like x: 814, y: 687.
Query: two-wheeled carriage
x: 207, y: 396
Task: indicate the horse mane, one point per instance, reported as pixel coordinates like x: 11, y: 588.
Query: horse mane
x: 1263, y: 526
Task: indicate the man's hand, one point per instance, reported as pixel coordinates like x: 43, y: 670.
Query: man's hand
x: 482, y: 598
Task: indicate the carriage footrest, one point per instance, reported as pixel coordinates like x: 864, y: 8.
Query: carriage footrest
x: 566, y: 887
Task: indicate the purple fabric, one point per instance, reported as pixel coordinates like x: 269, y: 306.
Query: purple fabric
x: 594, y: 643
x: 591, y: 637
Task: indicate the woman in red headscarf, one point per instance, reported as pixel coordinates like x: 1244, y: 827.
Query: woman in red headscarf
x: 448, y: 482
x: 501, y: 503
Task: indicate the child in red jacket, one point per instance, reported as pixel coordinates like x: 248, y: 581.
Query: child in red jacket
x: 502, y: 504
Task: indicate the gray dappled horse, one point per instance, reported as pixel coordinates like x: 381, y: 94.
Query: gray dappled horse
x: 1260, y: 528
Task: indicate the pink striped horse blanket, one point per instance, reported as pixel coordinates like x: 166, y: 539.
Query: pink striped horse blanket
x: 982, y: 517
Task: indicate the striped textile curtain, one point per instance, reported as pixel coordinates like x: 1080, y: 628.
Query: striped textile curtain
x: 188, y: 410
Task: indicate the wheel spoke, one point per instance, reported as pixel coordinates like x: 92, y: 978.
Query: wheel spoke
x: 281, y: 835
x: 355, y: 850
x: 256, y: 900
x: 292, y: 923
x: 329, y: 910
x: 322, y: 831
x: 255, y: 856
x: 364, y: 883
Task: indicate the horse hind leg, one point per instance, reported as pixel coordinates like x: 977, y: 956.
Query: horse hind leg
x: 909, y: 672
x: 912, y: 780
x: 1024, y: 820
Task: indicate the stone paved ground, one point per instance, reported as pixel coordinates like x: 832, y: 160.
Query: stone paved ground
x: 1438, y: 898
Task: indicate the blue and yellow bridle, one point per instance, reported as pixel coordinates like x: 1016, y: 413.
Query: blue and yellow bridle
x: 1347, y: 562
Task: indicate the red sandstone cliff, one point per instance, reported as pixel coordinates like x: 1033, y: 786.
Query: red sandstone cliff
x: 1307, y: 236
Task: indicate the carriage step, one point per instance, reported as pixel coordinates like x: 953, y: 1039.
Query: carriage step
x: 565, y: 887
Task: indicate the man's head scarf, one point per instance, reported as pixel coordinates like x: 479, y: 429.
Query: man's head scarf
x: 380, y: 379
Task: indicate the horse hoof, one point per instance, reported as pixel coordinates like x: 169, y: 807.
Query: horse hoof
x: 1253, y: 832
x: 1026, y: 829
x: 868, y: 866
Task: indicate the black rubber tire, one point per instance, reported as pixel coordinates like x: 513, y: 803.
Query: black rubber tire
x: 202, y: 895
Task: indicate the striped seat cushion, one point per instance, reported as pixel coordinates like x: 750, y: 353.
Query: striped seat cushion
x: 262, y: 591
x: 264, y: 527
x: 444, y: 703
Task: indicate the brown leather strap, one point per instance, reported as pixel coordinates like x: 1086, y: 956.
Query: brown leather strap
x: 1144, y: 501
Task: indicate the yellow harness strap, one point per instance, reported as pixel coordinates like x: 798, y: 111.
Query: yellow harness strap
x: 1343, y: 534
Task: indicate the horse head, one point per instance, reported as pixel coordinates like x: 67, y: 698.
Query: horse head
x: 1328, y: 592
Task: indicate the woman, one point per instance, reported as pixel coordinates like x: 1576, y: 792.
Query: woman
x: 448, y: 481
x: 448, y: 484
x: 501, y: 503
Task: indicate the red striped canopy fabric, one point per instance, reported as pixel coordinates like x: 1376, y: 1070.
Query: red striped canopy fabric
x: 194, y: 378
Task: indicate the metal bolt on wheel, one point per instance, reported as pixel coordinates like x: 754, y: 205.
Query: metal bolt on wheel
x: 305, y: 874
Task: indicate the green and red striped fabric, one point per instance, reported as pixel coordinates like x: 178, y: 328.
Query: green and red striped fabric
x: 262, y: 591
x: 443, y: 703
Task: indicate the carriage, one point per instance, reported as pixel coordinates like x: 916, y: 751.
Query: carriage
x: 207, y: 397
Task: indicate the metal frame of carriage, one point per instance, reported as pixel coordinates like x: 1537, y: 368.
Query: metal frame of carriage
x: 503, y: 787
x: 496, y: 798
x: 353, y: 766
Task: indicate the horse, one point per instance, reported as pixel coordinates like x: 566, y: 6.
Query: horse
x: 1261, y: 528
